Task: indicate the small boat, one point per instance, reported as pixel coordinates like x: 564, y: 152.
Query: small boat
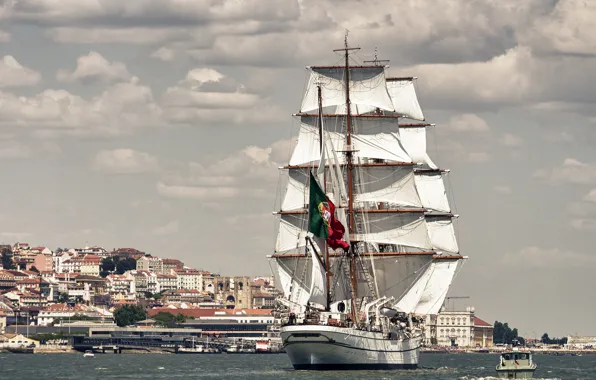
x: 198, y: 349
x: 516, y: 364
x: 88, y: 354
x: 21, y: 350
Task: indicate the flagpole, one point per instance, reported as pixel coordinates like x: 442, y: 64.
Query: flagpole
x: 322, y: 166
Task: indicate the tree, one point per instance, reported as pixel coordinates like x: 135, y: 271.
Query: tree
x: 164, y: 318
x: 168, y: 319
x: 503, y: 334
x: 545, y: 339
x: 7, y: 262
x: 62, y: 297
x: 126, y: 265
x: 129, y: 314
x: 107, y: 266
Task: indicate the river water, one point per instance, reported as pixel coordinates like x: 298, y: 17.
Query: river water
x: 268, y: 367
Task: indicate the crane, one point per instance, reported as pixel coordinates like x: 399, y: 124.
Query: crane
x: 447, y: 299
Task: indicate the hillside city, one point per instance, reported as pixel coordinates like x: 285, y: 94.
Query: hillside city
x: 92, y: 282
x: 46, y: 291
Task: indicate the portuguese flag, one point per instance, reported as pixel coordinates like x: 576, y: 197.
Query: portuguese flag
x: 321, y: 217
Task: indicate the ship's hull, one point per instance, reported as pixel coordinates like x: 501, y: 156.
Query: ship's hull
x: 318, y: 347
x: 516, y: 373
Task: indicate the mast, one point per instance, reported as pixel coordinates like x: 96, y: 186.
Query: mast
x: 327, y: 263
x: 350, y: 175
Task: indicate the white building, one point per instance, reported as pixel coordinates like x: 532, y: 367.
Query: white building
x: 59, y: 260
x: 580, y: 342
x: 167, y: 282
x: 61, y: 313
x: 120, y: 284
x: 189, y: 278
x: 150, y: 263
x: 458, y: 328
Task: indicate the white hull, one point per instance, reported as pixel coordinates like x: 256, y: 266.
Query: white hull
x: 319, y: 347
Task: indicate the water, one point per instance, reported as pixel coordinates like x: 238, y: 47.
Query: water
x: 268, y: 367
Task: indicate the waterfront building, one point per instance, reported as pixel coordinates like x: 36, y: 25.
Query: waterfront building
x: 16, y: 340
x: 458, y: 328
x: 580, y: 342
x: 62, y: 312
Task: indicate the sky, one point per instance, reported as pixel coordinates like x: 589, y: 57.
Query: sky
x: 160, y: 125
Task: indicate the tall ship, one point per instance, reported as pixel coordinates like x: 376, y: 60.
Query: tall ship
x: 366, y: 248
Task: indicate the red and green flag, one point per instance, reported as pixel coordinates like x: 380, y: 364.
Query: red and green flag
x: 321, y: 217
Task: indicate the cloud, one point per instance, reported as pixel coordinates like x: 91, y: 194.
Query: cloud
x: 118, y: 109
x: 559, y: 137
x: 571, y: 171
x: 16, y: 236
x: 207, y: 96
x: 511, y: 140
x: 505, y: 190
x: 467, y: 123
x: 125, y: 161
x: 14, y: 149
x: 13, y: 74
x: 591, y: 196
x: 141, y: 12
x: 564, y: 30
x: 478, y: 157
x: 584, y: 224
x: 164, y: 54
x: 169, y: 228
x: 538, y: 257
x: 95, y: 68
x: 4, y: 36
x: 196, y: 192
x: 250, y: 172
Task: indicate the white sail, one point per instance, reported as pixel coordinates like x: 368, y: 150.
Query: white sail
x: 292, y: 232
x: 431, y: 190
x: 410, y: 300
x: 413, y: 140
x: 372, y: 138
x: 299, y: 270
x: 403, y: 97
x: 392, y: 184
x: 297, y: 192
x: 318, y: 292
x: 283, y: 279
x: 367, y: 87
x: 405, y: 229
x: 442, y: 234
x: 436, y: 289
x: 394, y: 274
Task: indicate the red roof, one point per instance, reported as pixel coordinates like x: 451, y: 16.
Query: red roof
x: 480, y: 323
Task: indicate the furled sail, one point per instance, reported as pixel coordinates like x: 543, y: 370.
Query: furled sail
x: 367, y: 87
